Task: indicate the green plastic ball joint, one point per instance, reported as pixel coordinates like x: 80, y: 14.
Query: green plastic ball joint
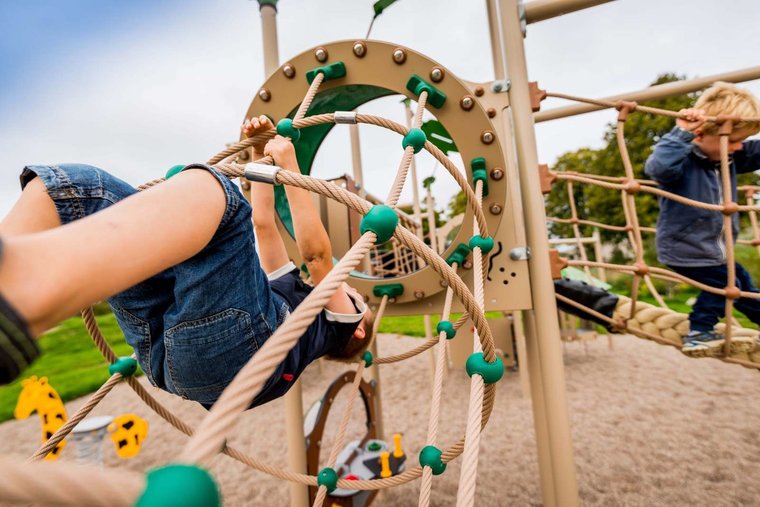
x: 381, y: 220
x: 175, y: 169
x: 285, y: 129
x: 491, y: 372
x: 127, y: 366
x: 447, y: 327
x: 485, y: 244
x: 430, y: 456
x: 328, y: 478
x: 368, y: 359
x: 415, y: 138
x: 180, y: 486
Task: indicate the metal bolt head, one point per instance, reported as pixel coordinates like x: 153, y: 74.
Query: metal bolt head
x: 419, y: 294
x: 244, y: 155
x: 497, y: 86
x: 467, y: 264
x: 360, y: 49
x: 497, y: 173
x: 495, y: 209
x: 487, y: 137
x: 399, y: 56
x: 443, y: 283
x: 437, y: 74
x: 491, y: 112
x: 245, y: 185
x: 265, y: 95
x: 320, y: 54
x: 467, y: 102
x: 289, y: 71
x: 479, y: 91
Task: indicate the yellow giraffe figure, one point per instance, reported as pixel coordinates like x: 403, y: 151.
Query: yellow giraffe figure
x: 38, y: 395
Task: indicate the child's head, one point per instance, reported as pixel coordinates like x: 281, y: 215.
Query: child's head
x: 728, y: 100
x: 361, y: 338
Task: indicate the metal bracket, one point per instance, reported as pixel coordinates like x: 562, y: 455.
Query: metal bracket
x: 520, y: 253
x: 501, y: 86
x: 523, y: 20
x: 261, y: 173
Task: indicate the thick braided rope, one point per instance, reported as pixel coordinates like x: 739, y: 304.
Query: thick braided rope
x: 310, y: 94
x: 59, y: 483
x: 100, y: 342
x: 435, y: 404
x: 406, y: 159
x: 469, y: 471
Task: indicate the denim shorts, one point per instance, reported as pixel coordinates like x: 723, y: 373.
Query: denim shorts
x: 195, y: 325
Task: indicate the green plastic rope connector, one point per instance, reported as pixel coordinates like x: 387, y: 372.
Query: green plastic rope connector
x: 374, y: 446
x: 430, y: 456
x: 485, y: 244
x: 175, y: 169
x: 285, y: 129
x: 459, y: 255
x: 447, y: 327
x: 381, y: 220
x: 180, y: 486
x: 417, y: 85
x: 127, y: 366
x: 332, y: 71
x: 478, y: 166
x: 491, y: 372
x: 328, y: 478
x: 391, y: 290
x: 415, y: 138
x: 368, y: 358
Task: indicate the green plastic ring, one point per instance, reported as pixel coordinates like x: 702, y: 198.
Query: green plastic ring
x: 367, y: 356
x: 447, y: 327
x: 430, y: 456
x: 381, y: 220
x: 285, y: 129
x: 415, y: 138
x: 328, y: 478
x: 180, y: 486
x: 491, y: 372
x: 127, y: 366
x: 485, y: 244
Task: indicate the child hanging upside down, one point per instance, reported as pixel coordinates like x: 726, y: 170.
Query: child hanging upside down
x: 686, y: 162
x: 178, y: 265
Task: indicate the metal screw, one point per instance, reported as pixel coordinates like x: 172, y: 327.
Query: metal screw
x: 444, y: 283
x: 321, y: 54
x: 487, y: 137
x: 479, y: 91
x: 437, y: 74
x: 419, y: 294
x: 467, y: 102
x: 399, y: 55
x: 360, y: 49
x: 289, y: 71
x: 491, y: 112
x: 495, y: 209
x: 496, y: 86
x: 265, y: 95
x: 497, y: 173
x: 244, y: 155
x: 245, y: 184
x: 467, y: 264
x: 366, y: 299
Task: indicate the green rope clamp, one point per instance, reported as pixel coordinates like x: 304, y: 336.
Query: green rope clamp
x: 415, y: 138
x: 381, y: 220
x: 459, y: 255
x: 491, y: 372
x: 430, y: 456
x: 179, y: 486
x: 127, y: 366
x: 328, y: 478
x: 391, y: 290
x: 417, y: 85
x: 478, y: 166
x: 286, y: 129
x: 485, y: 244
x: 175, y: 169
x: 447, y: 327
x: 333, y: 71
x: 368, y: 358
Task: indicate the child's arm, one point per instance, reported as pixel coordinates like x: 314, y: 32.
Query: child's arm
x: 272, y: 251
x: 311, y: 236
x: 666, y: 162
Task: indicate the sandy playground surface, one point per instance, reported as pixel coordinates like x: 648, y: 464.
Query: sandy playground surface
x: 650, y: 427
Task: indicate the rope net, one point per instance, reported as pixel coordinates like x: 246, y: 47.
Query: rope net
x: 43, y: 482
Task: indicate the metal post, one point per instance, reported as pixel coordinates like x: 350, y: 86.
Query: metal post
x: 543, y: 337
x: 293, y: 399
x: 539, y: 10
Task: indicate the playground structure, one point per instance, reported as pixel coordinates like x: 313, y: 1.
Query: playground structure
x: 371, y: 69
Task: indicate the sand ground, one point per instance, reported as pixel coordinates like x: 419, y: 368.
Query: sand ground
x: 649, y: 427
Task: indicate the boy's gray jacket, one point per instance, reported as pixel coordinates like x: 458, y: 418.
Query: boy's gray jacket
x: 689, y: 236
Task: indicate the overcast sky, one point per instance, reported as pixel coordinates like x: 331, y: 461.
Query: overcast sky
x: 136, y: 87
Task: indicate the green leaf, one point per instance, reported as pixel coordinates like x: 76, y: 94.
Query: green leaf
x: 381, y: 5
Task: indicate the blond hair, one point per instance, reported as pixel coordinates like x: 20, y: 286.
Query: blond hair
x: 726, y: 99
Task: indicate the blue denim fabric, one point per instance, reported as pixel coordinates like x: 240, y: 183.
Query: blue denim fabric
x: 193, y: 326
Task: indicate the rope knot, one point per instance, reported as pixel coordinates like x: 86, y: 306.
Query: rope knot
x: 632, y: 187
x: 730, y: 208
x: 641, y: 268
x: 625, y: 107
x: 733, y: 292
